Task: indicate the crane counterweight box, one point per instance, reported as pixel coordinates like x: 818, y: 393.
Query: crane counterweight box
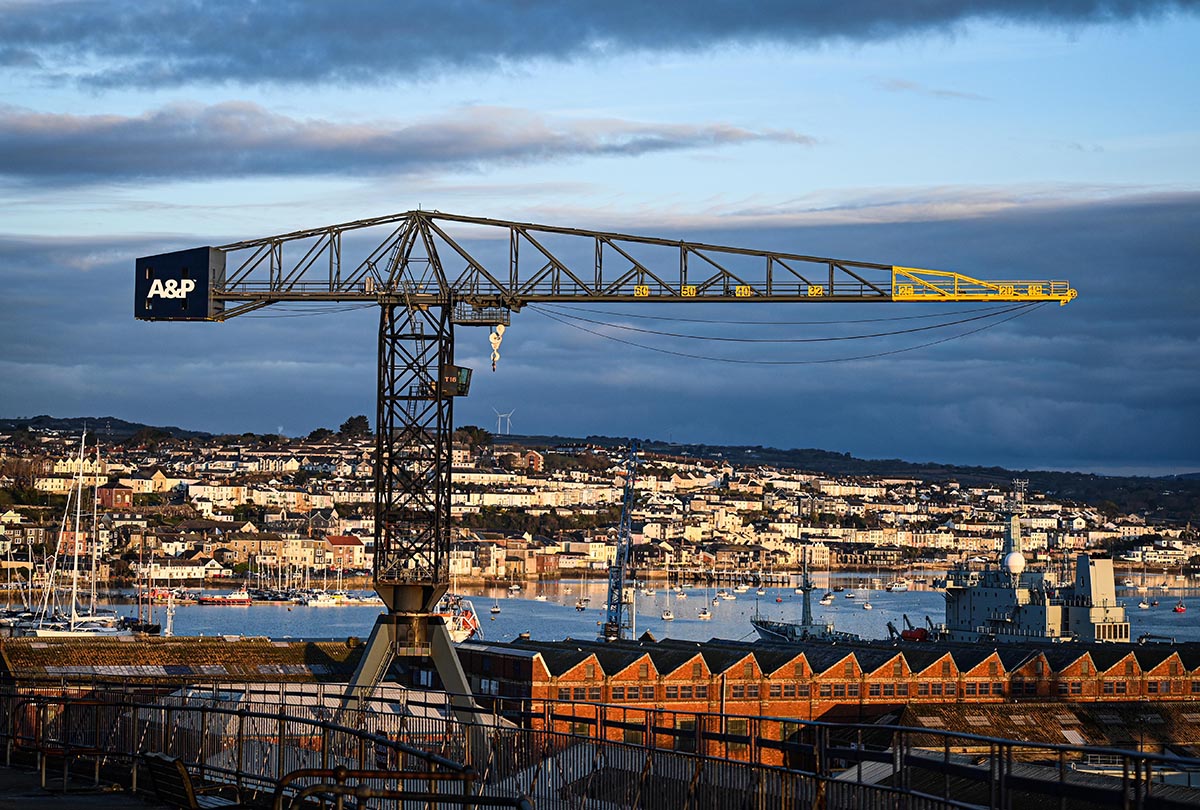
x: 178, y: 286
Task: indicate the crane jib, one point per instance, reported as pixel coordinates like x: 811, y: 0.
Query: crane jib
x: 488, y: 268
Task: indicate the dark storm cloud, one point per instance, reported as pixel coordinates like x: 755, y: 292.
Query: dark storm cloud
x: 1108, y: 382
x: 117, y: 43
x: 235, y: 139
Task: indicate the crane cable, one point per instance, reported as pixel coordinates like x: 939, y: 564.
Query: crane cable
x: 725, y: 339
x: 724, y: 322
x: 1024, y: 309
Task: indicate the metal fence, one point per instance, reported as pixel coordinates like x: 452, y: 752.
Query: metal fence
x: 409, y: 748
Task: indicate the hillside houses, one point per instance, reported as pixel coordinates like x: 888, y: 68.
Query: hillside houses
x: 246, y: 504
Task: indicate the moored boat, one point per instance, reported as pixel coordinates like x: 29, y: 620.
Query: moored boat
x: 460, y: 617
x: 238, y: 598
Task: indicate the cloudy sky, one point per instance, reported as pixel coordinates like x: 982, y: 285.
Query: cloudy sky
x: 1001, y: 139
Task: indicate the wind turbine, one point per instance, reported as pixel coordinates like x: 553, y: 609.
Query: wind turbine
x: 504, y: 416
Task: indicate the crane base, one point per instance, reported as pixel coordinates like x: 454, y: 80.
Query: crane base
x: 411, y: 635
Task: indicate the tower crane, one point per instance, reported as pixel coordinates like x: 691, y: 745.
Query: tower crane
x: 430, y: 272
x: 615, y: 620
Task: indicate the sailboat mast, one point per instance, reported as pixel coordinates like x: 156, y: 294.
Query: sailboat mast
x: 50, y: 566
x: 95, y: 526
x: 75, y: 544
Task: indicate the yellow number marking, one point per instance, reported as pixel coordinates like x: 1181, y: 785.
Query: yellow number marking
x: 816, y: 290
x: 904, y: 289
x: 1008, y: 289
x: 743, y: 291
x: 641, y: 291
x: 1035, y: 289
x: 688, y: 290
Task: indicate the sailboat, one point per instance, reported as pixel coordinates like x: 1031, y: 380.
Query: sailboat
x: 668, y: 615
x: 866, y: 605
x: 76, y: 623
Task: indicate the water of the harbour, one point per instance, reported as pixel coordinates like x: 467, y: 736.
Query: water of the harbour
x: 556, y: 618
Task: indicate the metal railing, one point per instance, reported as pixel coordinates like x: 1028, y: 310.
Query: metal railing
x: 573, y: 754
x: 264, y: 753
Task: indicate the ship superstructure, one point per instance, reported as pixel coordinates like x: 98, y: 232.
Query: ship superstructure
x: 1007, y: 603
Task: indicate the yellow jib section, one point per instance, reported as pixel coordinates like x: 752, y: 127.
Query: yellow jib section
x: 919, y: 284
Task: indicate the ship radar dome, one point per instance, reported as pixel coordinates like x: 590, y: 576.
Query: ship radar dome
x: 1013, y: 563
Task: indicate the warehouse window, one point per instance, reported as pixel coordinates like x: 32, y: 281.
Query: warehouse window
x: 685, y: 739
x: 737, y: 727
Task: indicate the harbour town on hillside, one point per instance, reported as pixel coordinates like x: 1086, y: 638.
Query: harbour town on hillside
x: 184, y: 514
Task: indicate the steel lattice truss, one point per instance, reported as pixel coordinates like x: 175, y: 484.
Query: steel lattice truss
x: 412, y: 470
x: 432, y: 258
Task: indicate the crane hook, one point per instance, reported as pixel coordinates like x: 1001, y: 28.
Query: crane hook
x: 494, y: 338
